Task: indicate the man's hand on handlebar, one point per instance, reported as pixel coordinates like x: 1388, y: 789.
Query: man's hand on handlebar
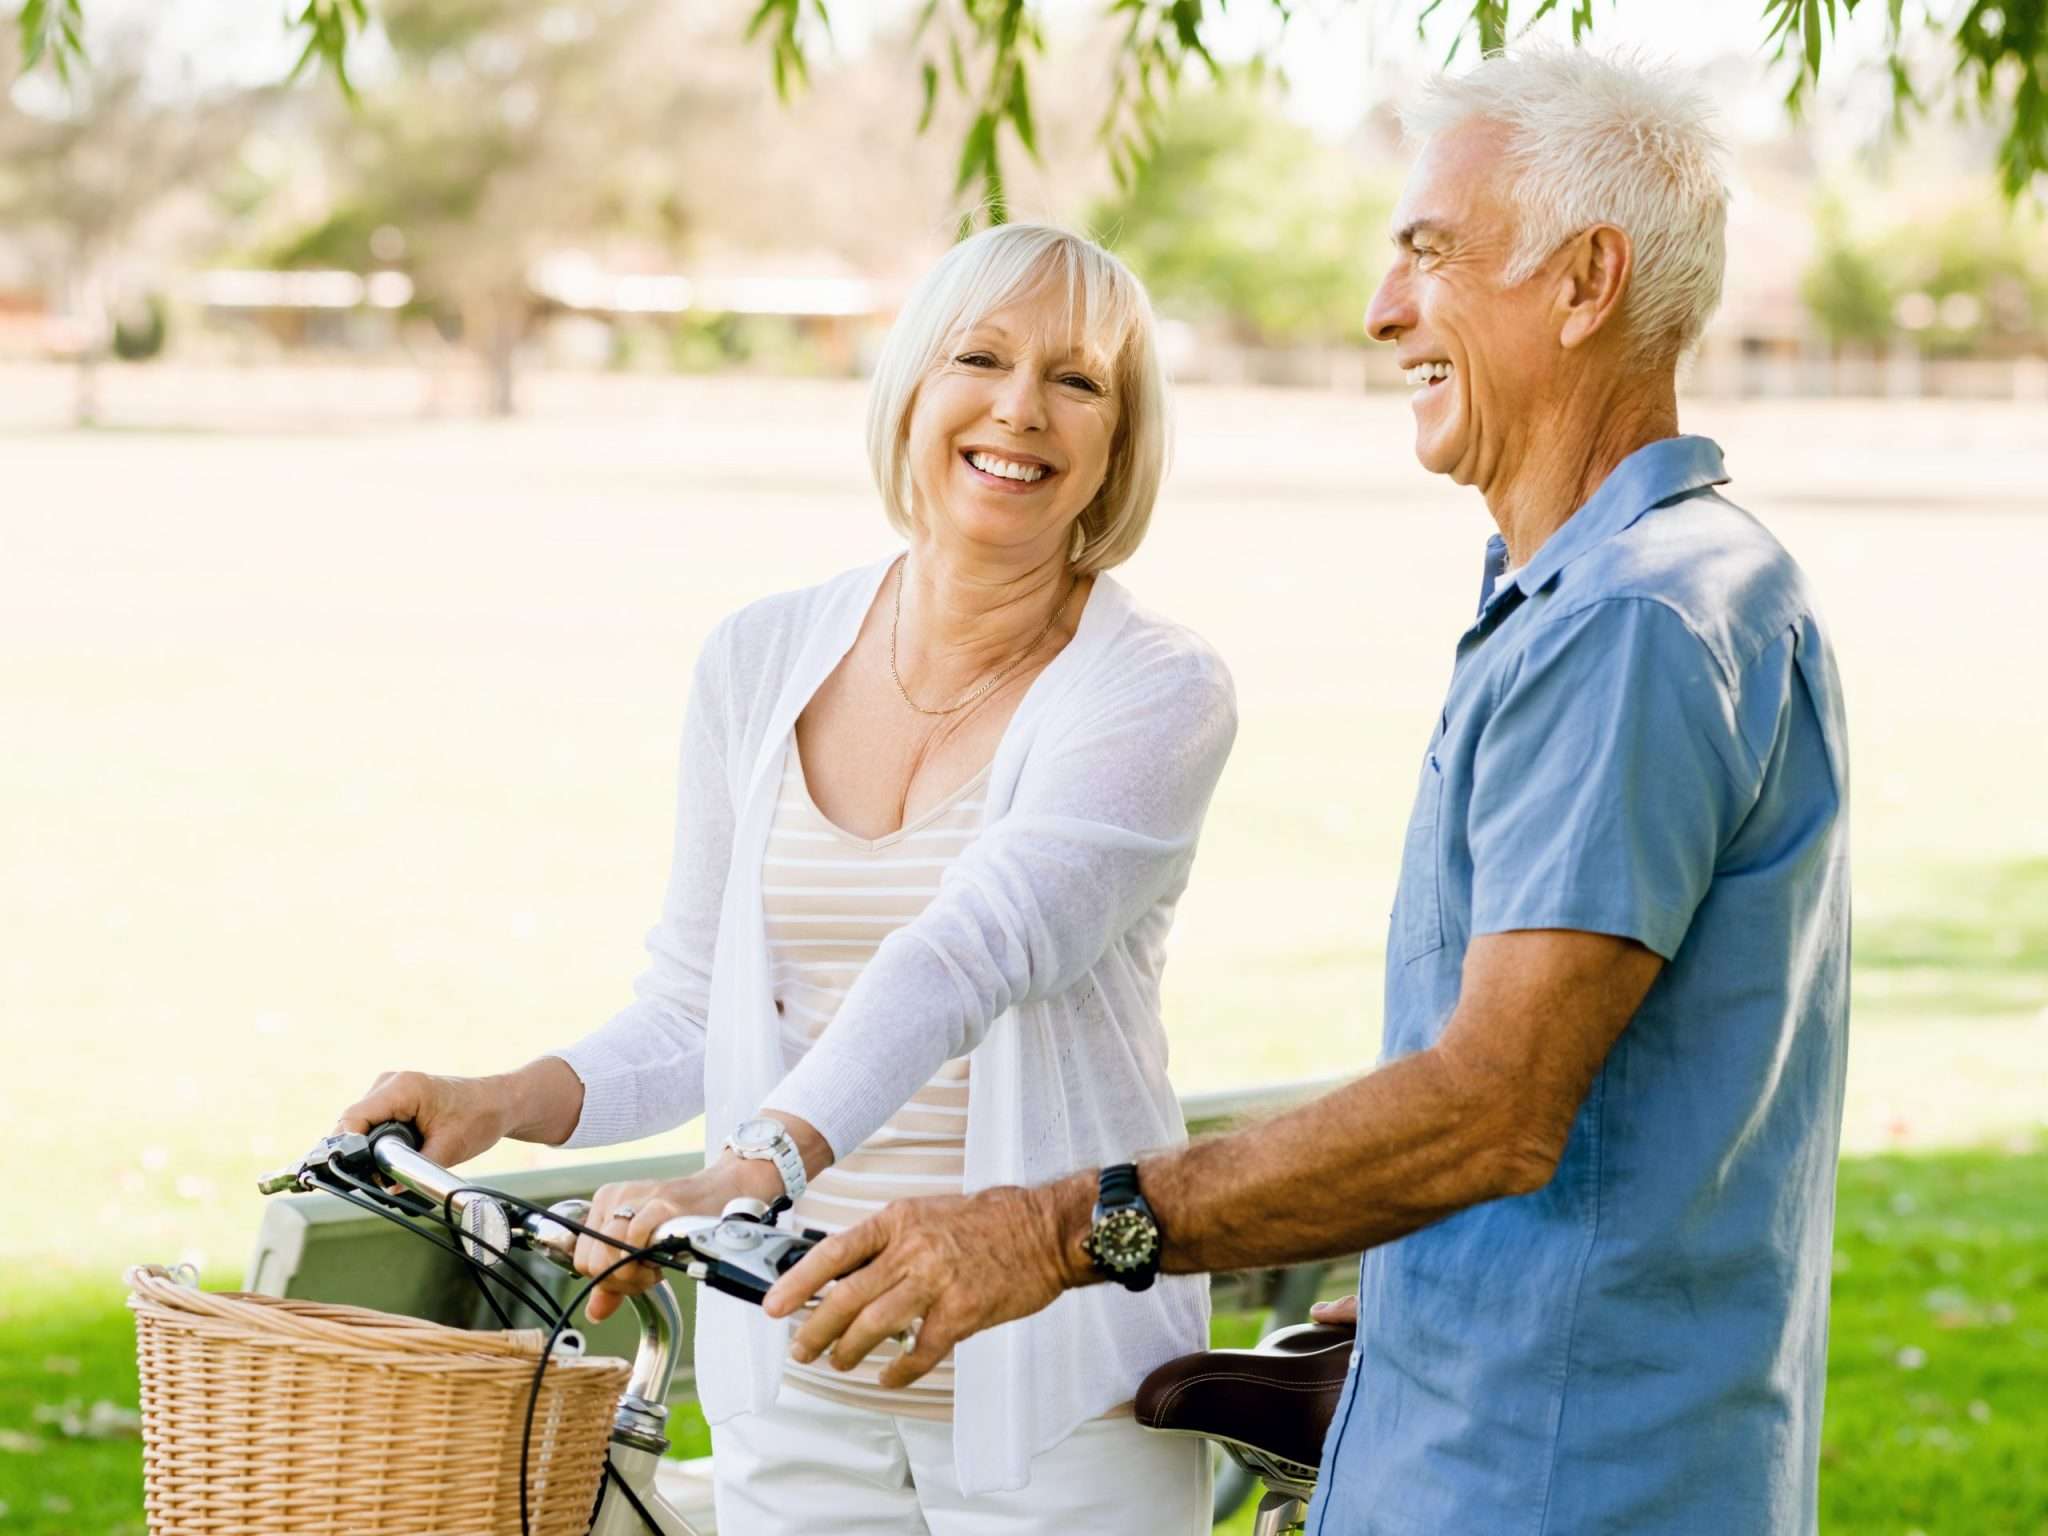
x: 653, y: 1202
x: 1343, y: 1310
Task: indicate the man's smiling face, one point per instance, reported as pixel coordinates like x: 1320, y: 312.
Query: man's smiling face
x: 1480, y: 355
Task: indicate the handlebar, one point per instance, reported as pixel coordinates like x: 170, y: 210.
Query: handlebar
x: 739, y: 1252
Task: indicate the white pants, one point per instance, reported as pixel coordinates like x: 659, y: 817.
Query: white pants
x: 808, y: 1467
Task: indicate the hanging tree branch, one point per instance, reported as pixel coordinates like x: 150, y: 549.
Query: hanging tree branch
x: 983, y: 52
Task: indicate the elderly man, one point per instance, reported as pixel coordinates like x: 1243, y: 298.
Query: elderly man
x: 1593, y: 1176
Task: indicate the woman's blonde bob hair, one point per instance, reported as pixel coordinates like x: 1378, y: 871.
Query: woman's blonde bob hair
x: 985, y: 273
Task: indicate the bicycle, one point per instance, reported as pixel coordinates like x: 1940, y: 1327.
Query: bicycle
x: 739, y: 1252
x: 1266, y: 1407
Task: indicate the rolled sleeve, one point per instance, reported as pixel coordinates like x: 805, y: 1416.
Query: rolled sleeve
x: 1608, y: 779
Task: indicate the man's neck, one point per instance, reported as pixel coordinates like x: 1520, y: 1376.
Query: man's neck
x: 1570, y: 457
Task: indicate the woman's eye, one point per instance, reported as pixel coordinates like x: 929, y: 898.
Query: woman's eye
x: 975, y: 360
x: 1082, y: 381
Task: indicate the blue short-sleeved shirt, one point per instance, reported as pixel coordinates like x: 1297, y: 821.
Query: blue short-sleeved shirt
x: 1644, y: 736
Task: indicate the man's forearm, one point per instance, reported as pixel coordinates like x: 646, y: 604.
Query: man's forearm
x: 1402, y: 1147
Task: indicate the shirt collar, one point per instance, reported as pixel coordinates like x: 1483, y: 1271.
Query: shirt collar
x: 1654, y: 474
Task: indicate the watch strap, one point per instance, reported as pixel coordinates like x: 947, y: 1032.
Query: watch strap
x: 1118, y: 1185
x: 782, y: 1152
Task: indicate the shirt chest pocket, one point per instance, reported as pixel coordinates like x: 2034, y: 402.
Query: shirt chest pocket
x: 1418, y: 922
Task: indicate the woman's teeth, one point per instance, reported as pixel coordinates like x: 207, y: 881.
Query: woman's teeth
x: 989, y: 464
x: 1427, y: 373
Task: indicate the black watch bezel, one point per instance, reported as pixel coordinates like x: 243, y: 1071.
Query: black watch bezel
x: 1117, y: 1195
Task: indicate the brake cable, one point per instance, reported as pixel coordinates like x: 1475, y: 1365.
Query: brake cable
x: 525, y: 1291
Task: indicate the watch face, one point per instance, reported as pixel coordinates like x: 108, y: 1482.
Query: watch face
x: 1124, y: 1240
x: 756, y: 1135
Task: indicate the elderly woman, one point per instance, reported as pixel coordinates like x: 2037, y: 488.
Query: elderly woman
x: 934, y: 818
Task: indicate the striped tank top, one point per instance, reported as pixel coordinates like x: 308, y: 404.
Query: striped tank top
x: 830, y: 898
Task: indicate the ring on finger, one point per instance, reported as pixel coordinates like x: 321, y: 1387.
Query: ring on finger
x: 622, y: 1213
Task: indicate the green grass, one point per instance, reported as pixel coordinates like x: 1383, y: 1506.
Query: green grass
x: 1937, y: 1375
x: 1937, y: 1415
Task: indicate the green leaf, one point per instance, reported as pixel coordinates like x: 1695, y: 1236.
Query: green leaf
x: 978, y: 153
x: 1019, y: 110
x: 52, y: 29
x: 306, y: 56
x: 931, y: 95
x: 1491, y: 17
x: 1813, y: 38
x: 760, y: 17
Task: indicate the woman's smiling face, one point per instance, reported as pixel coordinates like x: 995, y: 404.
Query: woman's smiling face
x: 1010, y: 436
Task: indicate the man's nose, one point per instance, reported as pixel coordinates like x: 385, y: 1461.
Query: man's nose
x: 1392, y: 310
x: 1020, y: 401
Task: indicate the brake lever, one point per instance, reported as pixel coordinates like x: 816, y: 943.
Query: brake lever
x: 344, y: 1147
x: 740, y: 1253
x: 350, y: 1152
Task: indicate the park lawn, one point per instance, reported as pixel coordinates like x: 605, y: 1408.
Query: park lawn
x: 1938, y: 1369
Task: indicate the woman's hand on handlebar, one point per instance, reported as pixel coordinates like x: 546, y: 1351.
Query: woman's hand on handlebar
x: 462, y: 1117
x: 458, y: 1117
x: 653, y: 1202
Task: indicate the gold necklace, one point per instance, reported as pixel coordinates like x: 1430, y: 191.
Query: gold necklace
x: 986, y: 685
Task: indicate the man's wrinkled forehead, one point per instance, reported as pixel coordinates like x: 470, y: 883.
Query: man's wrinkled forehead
x: 1456, y: 188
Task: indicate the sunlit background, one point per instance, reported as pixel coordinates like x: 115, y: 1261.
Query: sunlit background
x: 371, y: 471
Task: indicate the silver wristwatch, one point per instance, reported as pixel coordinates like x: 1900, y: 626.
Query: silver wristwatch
x: 770, y: 1141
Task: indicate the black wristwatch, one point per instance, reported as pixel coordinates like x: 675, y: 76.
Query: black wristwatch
x: 1124, y: 1238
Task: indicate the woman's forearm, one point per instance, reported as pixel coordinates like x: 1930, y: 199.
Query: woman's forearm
x: 543, y: 1101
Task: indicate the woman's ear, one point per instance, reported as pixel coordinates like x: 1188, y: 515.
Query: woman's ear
x: 1598, y: 265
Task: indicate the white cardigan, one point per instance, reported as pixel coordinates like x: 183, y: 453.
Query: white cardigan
x: 1041, y: 954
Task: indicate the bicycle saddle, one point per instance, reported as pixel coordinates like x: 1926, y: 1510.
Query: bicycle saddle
x: 1270, y: 1406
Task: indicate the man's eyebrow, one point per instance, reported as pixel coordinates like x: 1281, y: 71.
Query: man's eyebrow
x: 1404, y: 237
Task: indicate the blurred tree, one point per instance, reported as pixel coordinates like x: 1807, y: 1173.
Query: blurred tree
x: 507, y: 131
x: 86, y: 169
x: 1845, y: 288
x: 1241, y: 217
x: 1968, y: 275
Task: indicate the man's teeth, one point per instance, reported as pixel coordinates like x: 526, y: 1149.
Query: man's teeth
x: 1426, y: 373
x: 989, y: 464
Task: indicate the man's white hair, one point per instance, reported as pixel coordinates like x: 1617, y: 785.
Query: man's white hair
x: 1604, y: 140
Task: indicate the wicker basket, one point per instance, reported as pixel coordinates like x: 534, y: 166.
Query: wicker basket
x: 264, y: 1417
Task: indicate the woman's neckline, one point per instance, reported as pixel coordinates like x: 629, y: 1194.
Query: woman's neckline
x: 918, y: 823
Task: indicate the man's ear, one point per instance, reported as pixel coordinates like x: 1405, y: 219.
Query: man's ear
x: 1598, y: 265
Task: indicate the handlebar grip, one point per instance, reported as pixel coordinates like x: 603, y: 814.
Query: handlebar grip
x: 404, y: 1130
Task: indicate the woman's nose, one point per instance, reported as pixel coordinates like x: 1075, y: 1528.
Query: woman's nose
x: 1020, y: 402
